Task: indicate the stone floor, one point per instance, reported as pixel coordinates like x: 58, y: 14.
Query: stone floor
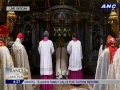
x: 88, y: 73
x: 71, y: 87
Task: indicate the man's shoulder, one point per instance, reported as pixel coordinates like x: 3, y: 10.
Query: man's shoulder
x: 19, y: 46
x: 40, y: 41
x: 78, y: 41
x: 3, y: 48
x: 105, y: 52
x: 71, y: 41
x: 50, y: 41
x: 118, y: 49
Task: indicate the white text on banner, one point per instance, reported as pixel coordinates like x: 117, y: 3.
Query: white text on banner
x: 64, y: 81
x: 17, y: 8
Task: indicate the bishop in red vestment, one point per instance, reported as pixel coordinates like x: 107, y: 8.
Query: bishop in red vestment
x: 105, y: 63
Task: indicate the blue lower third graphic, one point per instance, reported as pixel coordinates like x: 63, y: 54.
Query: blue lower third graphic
x: 14, y: 81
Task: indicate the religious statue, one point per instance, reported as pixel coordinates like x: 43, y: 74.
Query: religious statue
x: 11, y: 18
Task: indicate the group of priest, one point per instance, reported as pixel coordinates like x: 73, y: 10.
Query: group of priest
x: 108, y: 64
x: 16, y: 58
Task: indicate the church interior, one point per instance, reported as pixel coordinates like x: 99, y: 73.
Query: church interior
x: 61, y: 18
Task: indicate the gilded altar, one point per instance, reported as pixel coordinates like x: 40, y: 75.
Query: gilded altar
x: 61, y: 22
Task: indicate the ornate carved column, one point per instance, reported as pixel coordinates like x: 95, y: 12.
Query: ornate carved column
x: 19, y: 24
x: 77, y: 3
x: 1, y: 4
x: 62, y: 20
x: 34, y: 41
x: 118, y: 13
x: 90, y: 37
x: 47, y: 20
x: 104, y: 31
x: 47, y: 3
x: 76, y: 22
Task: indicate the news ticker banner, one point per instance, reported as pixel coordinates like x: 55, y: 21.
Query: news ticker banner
x: 62, y: 81
x: 20, y: 76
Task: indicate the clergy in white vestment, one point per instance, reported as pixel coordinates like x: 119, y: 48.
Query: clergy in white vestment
x: 115, y: 73
x: 116, y: 68
x: 74, y: 48
x: 5, y: 62
x: 46, y: 49
x: 61, y: 62
x: 21, y: 59
x: 105, y: 63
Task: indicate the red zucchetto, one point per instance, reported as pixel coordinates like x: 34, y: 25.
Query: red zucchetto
x: 20, y: 35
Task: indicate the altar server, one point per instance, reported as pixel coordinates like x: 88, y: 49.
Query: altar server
x: 46, y: 49
x: 74, y: 49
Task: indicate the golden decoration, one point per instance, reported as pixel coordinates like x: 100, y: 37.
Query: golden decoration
x: 113, y: 15
x: 11, y: 18
x: 118, y: 1
x: 1, y: 4
x: 113, y: 20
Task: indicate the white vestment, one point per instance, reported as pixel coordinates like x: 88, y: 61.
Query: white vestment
x: 116, y: 71
x: 61, y: 61
x: 21, y: 61
x: 100, y: 50
x: 5, y: 61
x: 103, y: 70
x: 46, y: 49
x: 74, y: 48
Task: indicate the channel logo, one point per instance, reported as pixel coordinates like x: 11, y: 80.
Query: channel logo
x: 109, y: 6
